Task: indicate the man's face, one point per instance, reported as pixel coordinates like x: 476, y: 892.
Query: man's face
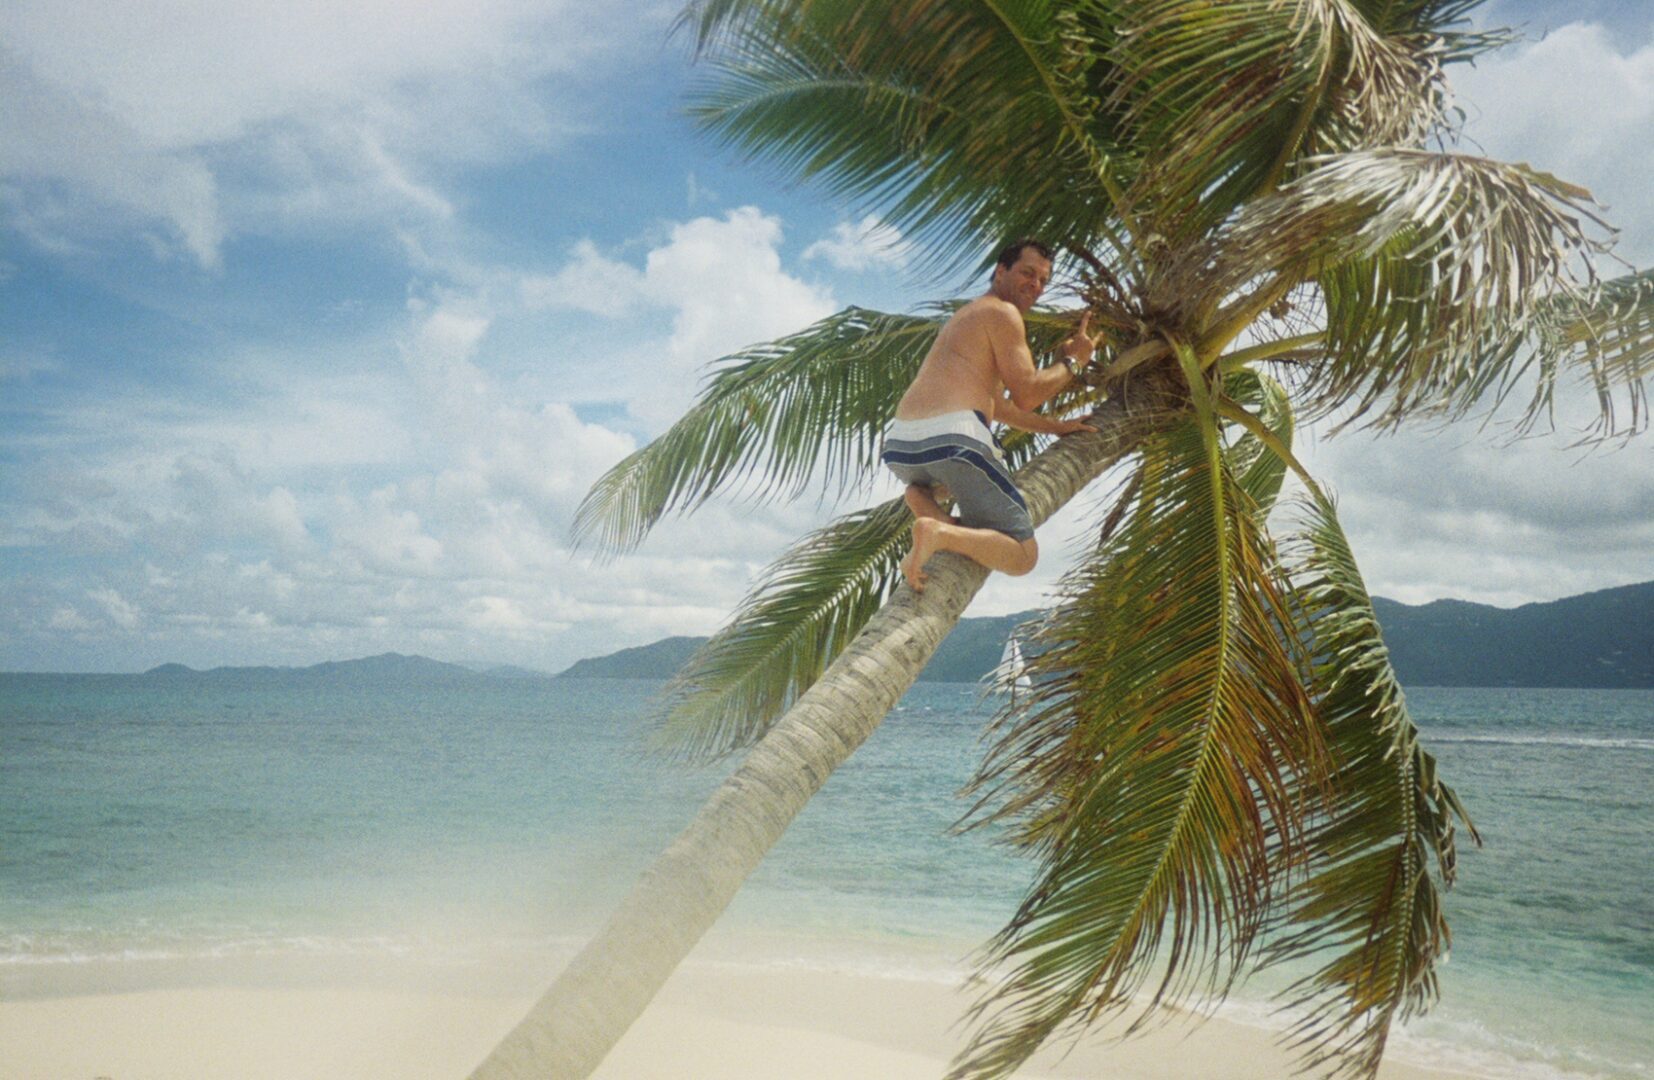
x: 1024, y: 280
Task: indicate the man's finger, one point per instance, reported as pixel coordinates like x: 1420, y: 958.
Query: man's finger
x: 1085, y: 320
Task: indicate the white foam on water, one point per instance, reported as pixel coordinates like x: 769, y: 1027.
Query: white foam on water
x: 1469, y: 1046
x: 1465, y: 1047
x: 1582, y: 742
x: 27, y: 951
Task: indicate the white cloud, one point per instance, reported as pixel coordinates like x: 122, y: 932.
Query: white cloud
x: 69, y: 620
x: 723, y: 283
x: 119, y: 612
x: 51, y: 140
x: 1578, y: 103
x: 861, y: 245
x: 440, y: 353
x: 501, y: 613
x: 500, y: 448
x: 386, y: 538
x: 589, y: 282
x: 319, y: 423
x: 264, y: 114
x: 217, y: 497
x: 724, y: 277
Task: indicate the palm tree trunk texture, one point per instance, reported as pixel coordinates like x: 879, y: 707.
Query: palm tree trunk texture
x: 610, y: 982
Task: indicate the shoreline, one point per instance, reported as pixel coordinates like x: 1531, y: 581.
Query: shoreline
x: 293, y: 1018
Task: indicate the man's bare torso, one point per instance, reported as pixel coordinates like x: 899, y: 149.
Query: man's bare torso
x: 959, y: 372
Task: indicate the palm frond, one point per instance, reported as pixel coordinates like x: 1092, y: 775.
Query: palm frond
x: 1149, y: 765
x: 1610, y: 337
x: 1257, y: 470
x: 1368, y: 910
x: 800, y: 615
x: 1435, y: 269
x: 950, y: 97
x: 1445, y: 20
x: 775, y: 414
x: 1231, y: 94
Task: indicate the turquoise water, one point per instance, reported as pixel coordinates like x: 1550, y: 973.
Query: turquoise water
x: 143, y: 819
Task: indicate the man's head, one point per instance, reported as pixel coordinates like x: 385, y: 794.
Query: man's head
x: 1021, y: 273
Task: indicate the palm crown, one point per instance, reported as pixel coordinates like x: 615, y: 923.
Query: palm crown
x: 1257, y: 201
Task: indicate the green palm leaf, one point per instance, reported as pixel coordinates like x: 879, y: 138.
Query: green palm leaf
x: 808, y: 605
x: 817, y: 400
x: 1368, y: 911
x: 1152, y: 766
x: 1258, y: 470
x: 950, y: 98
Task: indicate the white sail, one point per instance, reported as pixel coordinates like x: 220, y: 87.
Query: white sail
x: 1013, y: 670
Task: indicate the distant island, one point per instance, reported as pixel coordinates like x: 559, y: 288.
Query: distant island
x: 1601, y: 639
x: 386, y: 667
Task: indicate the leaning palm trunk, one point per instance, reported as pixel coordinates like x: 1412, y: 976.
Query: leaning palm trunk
x: 608, y: 985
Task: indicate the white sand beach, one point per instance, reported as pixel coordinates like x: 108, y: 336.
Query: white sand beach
x: 711, y: 1022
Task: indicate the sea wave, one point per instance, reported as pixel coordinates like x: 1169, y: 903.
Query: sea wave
x: 27, y: 950
x: 1464, y: 1048
x: 1583, y: 742
x: 1469, y: 1047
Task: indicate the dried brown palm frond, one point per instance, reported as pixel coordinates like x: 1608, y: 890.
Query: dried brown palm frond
x: 1436, y: 272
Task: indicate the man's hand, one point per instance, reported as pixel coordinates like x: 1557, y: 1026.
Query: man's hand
x: 1069, y: 427
x: 1079, y: 347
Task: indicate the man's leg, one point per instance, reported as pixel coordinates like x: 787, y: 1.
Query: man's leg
x: 921, y: 499
x: 990, y: 547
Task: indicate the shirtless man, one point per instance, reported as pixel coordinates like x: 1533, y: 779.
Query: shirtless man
x: 941, y: 435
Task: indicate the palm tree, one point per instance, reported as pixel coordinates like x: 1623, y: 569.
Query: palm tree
x: 1261, y: 204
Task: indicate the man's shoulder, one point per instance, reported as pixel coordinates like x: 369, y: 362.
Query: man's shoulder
x: 990, y: 310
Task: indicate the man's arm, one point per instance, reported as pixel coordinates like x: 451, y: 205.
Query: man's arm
x: 1006, y: 412
x: 1031, y: 387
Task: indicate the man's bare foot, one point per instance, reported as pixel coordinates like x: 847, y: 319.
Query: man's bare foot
x: 925, y: 537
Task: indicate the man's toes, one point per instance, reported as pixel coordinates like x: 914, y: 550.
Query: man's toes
x: 908, y: 571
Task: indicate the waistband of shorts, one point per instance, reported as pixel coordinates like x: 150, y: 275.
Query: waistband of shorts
x: 967, y: 423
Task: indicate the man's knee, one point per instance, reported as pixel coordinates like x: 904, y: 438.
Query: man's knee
x: 1029, y: 557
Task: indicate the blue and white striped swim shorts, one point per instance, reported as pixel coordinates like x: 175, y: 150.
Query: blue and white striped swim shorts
x: 957, y: 449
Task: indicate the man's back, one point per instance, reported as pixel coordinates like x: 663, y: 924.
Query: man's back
x: 959, y: 372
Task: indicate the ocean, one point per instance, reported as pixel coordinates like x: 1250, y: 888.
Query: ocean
x: 147, y: 820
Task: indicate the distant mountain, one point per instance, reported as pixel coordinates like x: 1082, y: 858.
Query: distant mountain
x: 659, y: 660
x: 1598, y: 639
x: 370, y: 670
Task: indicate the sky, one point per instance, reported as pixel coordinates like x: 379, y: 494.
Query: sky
x: 317, y: 321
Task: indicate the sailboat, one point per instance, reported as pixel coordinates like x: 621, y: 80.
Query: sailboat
x: 1013, y: 670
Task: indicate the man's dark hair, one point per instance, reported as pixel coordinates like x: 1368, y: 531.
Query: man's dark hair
x: 1009, y: 255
